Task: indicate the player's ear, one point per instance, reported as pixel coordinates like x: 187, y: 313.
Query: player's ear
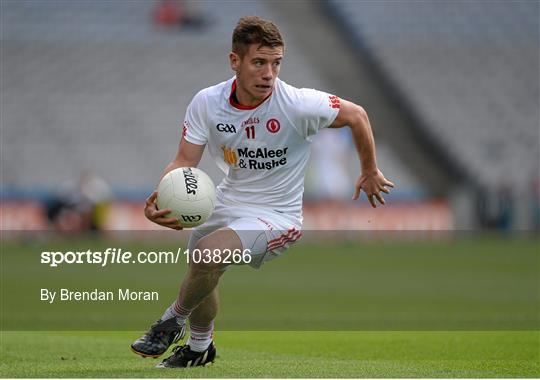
x: 234, y: 60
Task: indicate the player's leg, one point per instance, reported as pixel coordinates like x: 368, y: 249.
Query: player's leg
x: 198, y: 296
x: 207, y: 310
x: 242, y: 234
x: 201, y: 329
x: 199, y: 349
x: 204, y: 273
x: 201, y: 322
x: 253, y: 234
x: 171, y: 326
x: 168, y: 329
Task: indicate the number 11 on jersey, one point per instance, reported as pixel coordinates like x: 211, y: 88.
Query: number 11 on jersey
x: 250, y: 131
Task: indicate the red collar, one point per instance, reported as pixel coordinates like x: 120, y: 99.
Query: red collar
x: 239, y: 106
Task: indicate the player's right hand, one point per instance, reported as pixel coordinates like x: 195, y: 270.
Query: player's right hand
x: 159, y: 216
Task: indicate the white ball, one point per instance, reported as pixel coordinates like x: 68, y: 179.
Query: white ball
x: 189, y: 193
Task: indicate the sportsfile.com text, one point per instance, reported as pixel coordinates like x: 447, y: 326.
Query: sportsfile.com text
x: 119, y: 256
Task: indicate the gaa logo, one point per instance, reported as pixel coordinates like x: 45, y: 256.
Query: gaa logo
x: 191, y: 181
x: 273, y: 126
x: 229, y: 128
x: 191, y: 218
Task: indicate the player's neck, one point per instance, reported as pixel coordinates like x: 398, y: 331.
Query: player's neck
x: 243, y: 100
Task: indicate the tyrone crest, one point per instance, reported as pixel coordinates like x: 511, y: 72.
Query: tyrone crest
x: 273, y: 126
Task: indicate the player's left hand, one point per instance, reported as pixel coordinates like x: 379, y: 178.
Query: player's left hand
x: 372, y: 184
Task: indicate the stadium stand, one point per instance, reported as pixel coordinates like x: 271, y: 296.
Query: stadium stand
x: 98, y: 86
x: 471, y: 71
x: 102, y: 87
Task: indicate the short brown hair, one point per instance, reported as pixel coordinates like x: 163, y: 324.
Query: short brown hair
x: 255, y: 30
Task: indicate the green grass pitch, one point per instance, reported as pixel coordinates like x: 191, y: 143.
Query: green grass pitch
x: 450, y: 307
x: 280, y: 354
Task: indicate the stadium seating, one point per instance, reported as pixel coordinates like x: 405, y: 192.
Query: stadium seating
x: 471, y: 71
x: 98, y: 86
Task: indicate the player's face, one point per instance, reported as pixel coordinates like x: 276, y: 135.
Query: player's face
x: 256, y: 72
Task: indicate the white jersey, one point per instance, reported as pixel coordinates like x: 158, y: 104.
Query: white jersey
x: 263, y: 150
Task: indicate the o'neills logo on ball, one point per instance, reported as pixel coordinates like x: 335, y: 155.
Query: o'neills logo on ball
x: 190, y: 181
x: 273, y: 126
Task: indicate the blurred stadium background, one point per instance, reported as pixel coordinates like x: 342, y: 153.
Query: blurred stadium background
x: 93, y: 94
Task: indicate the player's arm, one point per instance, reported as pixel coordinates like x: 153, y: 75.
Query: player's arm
x: 371, y: 180
x: 188, y: 155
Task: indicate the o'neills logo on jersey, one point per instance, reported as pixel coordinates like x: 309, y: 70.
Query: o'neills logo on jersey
x: 250, y: 121
x: 255, y: 159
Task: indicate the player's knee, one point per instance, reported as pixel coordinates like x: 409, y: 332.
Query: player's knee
x: 203, y: 266
x: 205, y: 257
